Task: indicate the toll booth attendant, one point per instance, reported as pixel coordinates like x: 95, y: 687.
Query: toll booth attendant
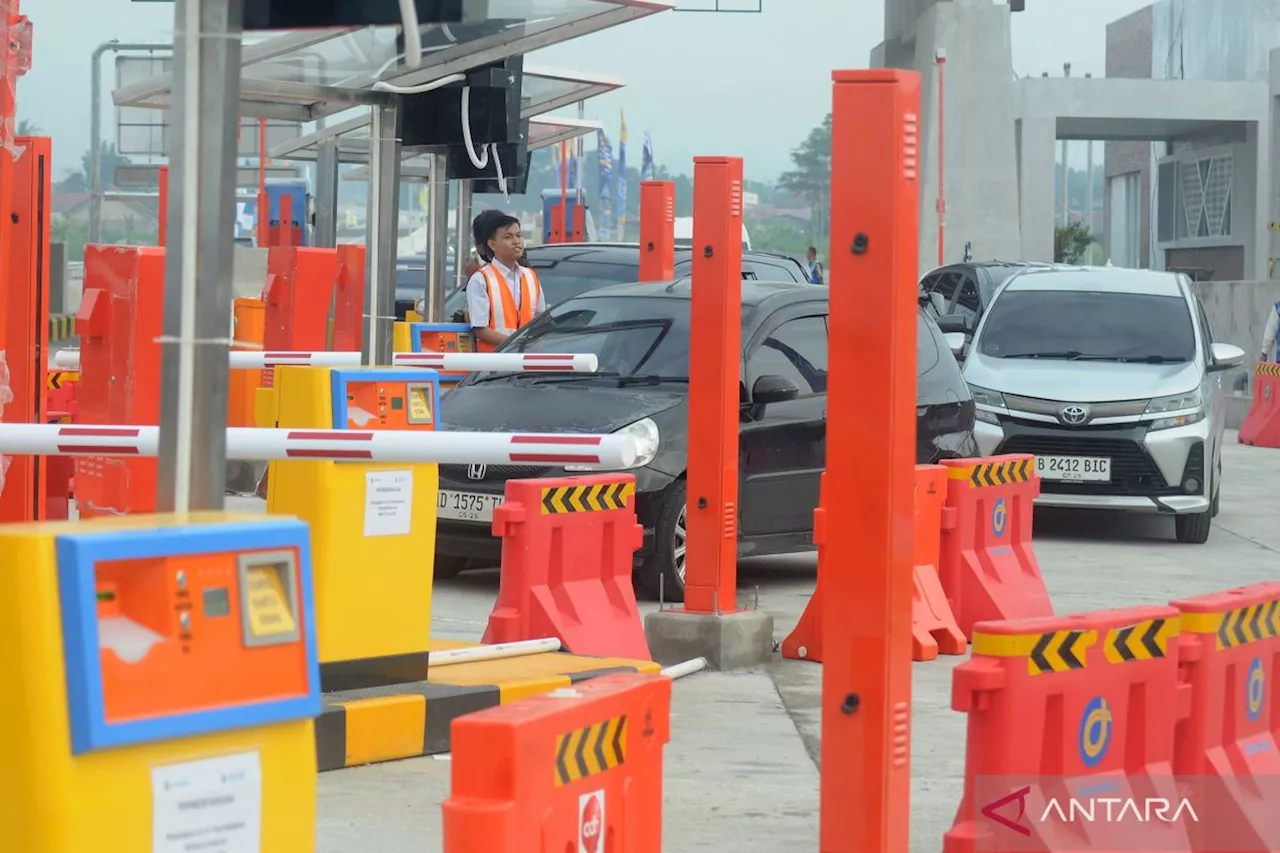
x: 503, y: 295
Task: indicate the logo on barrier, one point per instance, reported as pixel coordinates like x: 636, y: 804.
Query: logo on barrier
x: 1255, y: 690
x: 1095, y: 731
x: 591, y: 822
x: 999, y: 517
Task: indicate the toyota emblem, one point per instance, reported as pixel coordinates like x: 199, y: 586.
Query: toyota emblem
x: 1074, y: 415
x: 476, y: 472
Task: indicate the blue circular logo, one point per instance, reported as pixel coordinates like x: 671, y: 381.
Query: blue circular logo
x: 999, y: 518
x: 1255, y: 690
x: 1095, y: 731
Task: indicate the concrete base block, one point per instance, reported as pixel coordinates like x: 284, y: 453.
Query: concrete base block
x: 728, y: 641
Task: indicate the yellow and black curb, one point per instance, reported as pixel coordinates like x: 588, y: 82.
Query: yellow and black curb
x: 62, y: 327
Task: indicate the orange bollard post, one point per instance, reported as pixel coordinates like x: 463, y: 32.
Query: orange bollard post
x: 933, y: 625
x: 579, y: 769
x: 348, y: 300
x: 805, y: 640
x: 578, y: 231
x: 24, y: 319
x: 1227, y: 750
x: 298, y: 295
x: 568, y: 548
x: 1065, y: 715
x: 866, y: 674
x: 1261, y: 425
x: 242, y: 387
x: 987, y: 564
x: 657, y: 230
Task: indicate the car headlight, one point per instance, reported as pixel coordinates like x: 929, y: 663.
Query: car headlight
x: 992, y: 399
x: 647, y: 438
x: 1179, y: 410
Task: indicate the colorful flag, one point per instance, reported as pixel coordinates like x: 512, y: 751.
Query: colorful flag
x: 621, y: 176
x: 646, y: 159
x: 604, y: 158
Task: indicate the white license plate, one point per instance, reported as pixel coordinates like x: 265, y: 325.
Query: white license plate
x: 467, y: 506
x: 1074, y: 468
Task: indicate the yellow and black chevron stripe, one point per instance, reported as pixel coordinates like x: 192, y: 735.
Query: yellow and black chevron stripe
x: 55, y: 379
x: 599, y: 498
x: 987, y: 474
x: 1145, y: 640
x: 1056, y: 651
x: 62, y: 327
x: 1267, y: 368
x: 1237, y: 627
x: 595, y: 749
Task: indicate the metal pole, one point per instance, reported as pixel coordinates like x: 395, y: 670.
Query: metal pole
x: 1088, y: 192
x: 462, y: 228
x: 326, y: 229
x: 95, y: 128
x: 381, y: 234
x: 1066, y: 169
x: 437, y: 238
x: 193, y: 399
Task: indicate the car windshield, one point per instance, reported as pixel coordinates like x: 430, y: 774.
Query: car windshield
x: 631, y: 336
x: 1086, y: 325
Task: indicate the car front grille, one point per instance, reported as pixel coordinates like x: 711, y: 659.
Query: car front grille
x: 1132, y: 470
x: 491, y: 473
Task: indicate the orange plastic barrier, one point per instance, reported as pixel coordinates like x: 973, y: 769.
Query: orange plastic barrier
x: 348, y: 300
x: 1261, y: 426
x: 298, y: 295
x: 987, y: 565
x: 933, y: 626
x: 120, y: 322
x: 1227, y: 748
x: 575, y: 770
x: 568, y: 547
x: 242, y: 388
x: 1066, y: 713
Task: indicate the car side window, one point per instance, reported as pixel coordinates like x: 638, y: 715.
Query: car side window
x: 945, y: 285
x: 764, y: 271
x: 968, y: 303
x: 796, y: 351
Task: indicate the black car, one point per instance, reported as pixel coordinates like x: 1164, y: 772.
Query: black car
x: 963, y: 291
x: 641, y: 333
x: 568, y: 269
x: 411, y: 281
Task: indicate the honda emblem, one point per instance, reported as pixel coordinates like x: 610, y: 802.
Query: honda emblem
x: 476, y: 472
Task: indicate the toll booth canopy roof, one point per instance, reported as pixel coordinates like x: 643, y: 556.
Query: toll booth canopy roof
x: 545, y: 89
x: 309, y: 74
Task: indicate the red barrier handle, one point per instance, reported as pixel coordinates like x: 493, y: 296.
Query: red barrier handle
x: 93, y: 318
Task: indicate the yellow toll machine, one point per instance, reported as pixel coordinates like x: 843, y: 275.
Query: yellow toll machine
x: 160, y: 686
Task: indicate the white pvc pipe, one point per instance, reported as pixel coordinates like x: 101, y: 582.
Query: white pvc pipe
x: 499, y: 651
x: 597, y: 452
x: 689, y: 667
x: 249, y: 359
x: 500, y: 361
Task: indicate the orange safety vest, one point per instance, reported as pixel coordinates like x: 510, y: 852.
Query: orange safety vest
x: 502, y: 306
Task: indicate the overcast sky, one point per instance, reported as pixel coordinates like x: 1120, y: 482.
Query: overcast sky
x: 772, y: 82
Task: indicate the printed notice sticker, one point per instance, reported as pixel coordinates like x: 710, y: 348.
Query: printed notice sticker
x: 214, y: 804
x: 388, y: 503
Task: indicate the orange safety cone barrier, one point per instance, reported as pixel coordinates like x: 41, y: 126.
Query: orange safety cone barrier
x: 578, y: 769
x: 568, y: 547
x: 933, y: 627
x: 987, y: 565
x: 1227, y: 750
x: 805, y: 640
x: 1071, y: 719
x: 1261, y: 426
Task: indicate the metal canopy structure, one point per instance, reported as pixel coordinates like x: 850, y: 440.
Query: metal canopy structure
x: 545, y: 90
x: 544, y: 132
x: 307, y: 75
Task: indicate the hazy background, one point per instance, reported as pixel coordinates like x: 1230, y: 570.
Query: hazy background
x: 738, y: 84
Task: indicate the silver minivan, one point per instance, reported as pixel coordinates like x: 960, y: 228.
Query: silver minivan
x: 1111, y: 378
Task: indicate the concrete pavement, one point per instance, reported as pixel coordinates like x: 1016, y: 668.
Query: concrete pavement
x: 741, y: 769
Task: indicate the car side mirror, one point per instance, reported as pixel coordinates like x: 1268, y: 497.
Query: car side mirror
x: 1225, y: 357
x: 956, y: 341
x: 773, y: 389
x: 951, y: 323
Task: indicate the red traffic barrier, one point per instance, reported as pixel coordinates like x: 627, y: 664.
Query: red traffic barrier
x: 1070, y: 716
x: 805, y: 640
x: 568, y: 547
x: 933, y: 625
x: 987, y: 565
x: 1261, y: 426
x: 1229, y: 742
x: 578, y: 769
x: 298, y: 294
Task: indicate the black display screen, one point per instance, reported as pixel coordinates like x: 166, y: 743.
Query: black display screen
x: 217, y: 602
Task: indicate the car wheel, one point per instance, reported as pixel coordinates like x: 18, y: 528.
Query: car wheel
x: 663, y: 571
x: 447, y: 568
x: 1193, y: 529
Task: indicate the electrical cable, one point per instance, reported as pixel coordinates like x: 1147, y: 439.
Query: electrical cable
x: 478, y: 160
x: 412, y: 34
x: 383, y: 86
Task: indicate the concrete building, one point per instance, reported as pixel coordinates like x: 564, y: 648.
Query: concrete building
x: 1202, y: 210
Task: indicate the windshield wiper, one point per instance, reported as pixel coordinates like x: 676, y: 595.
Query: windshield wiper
x: 649, y: 379
x: 1074, y: 355
x: 561, y: 379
